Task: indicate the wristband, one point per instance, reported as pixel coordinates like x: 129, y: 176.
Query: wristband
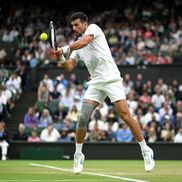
x: 66, y: 50
x: 62, y: 59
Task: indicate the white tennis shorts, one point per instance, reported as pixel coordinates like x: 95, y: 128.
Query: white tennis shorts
x: 99, y: 92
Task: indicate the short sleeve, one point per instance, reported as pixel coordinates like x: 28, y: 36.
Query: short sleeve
x: 93, y: 29
x: 75, y: 56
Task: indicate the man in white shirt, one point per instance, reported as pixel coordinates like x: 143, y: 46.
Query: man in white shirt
x: 178, y: 136
x: 157, y: 99
x: 92, y: 48
x: 3, y: 140
x: 49, y: 134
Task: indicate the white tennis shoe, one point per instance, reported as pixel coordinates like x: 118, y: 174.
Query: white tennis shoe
x: 149, y: 162
x: 78, y: 163
x: 4, y: 158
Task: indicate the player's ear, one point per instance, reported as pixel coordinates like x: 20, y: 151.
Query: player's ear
x: 85, y: 23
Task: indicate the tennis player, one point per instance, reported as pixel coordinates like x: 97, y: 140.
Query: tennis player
x: 92, y: 48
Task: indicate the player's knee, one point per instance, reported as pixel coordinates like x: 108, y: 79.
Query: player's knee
x: 82, y: 121
x: 126, y: 117
x: 83, y: 118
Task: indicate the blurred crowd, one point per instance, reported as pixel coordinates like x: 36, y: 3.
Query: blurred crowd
x: 157, y: 107
x: 12, y: 82
x: 138, y: 32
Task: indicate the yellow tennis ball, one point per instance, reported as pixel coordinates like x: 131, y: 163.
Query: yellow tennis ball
x: 43, y: 36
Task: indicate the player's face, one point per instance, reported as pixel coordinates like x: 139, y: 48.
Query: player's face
x: 78, y: 26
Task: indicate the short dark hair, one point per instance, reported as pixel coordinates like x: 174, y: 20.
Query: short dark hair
x: 79, y: 15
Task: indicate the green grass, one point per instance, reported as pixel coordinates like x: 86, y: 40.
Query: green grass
x: 21, y: 170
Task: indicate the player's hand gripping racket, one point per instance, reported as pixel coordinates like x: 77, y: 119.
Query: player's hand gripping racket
x: 52, y: 36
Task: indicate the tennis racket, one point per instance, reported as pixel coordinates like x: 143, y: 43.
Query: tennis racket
x: 52, y: 36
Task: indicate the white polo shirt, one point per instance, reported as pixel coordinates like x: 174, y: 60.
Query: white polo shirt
x: 97, y: 57
x: 46, y: 137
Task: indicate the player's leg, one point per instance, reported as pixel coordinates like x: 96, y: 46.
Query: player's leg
x: 123, y: 110
x: 93, y: 97
x: 88, y: 107
x: 115, y: 91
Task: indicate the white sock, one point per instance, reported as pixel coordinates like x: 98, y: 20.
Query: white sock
x: 78, y: 148
x: 3, y: 156
x: 143, y: 145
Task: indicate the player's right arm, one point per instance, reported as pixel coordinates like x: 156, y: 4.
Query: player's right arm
x: 69, y: 64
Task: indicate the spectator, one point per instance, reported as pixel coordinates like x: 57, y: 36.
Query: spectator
x: 167, y: 133
x: 150, y: 114
x: 167, y: 118
x: 3, y: 140
x: 21, y: 70
x: 43, y: 93
x: 171, y: 99
x: 48, y: 82
x: 3, y: 104
x: 3, y: 54
x: 3, y: 74
x: 67, y: 97
x: 14, y: 84
x: 123, y: 134
x: 165, y: 109
x: 62, y: 83
x: 111, y: 135
x: 79, y: 91
x: 96, y: 119
x: 64, y: 136
x: 132, y: 101
x: 154, y: 124
x: 145, y: 97
x: 103, y: 108
x: 163, y: 87
x: 128, y: 83
x: 73, y: 81
x: 140, y: 116
x: 33, y: 137
x: 77, y: 102
x: 49, y: 134
x: 73, y: 113
x: 111, y: 123
x: 97, y: 134
x: 45, y: 118
x: 152, y: 136
x: 55, y: 95
x: 30, y: 119
x: 148, y: 87
x: 69, y: 125
x: 60, y: 113
x: 178, y: 136
x: 138, y: 87
x: 20, y: 135
x: 178, y: 121
x: 158, y: 99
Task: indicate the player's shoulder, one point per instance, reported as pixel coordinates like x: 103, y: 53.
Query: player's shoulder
x: 93, y: 25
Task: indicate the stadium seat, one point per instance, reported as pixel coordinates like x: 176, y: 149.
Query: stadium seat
x: 40, y: 105
x: 53, y: 106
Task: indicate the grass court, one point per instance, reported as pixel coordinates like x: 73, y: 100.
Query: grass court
x: 94, y: 170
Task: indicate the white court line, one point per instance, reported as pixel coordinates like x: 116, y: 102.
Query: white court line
x: 63, y: 180
x: 89, y: 173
